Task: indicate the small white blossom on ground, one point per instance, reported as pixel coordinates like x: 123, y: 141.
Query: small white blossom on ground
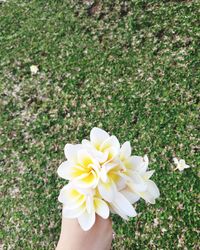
x: 163, y: 230
x: 155, y: 222
x: 180, y: 164
x: 34, y: 69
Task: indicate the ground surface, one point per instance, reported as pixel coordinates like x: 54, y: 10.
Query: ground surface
x: 130, y: 67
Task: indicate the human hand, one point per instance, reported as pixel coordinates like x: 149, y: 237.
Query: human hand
x: 72, y: 237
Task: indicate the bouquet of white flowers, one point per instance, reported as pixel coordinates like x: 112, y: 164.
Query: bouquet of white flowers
x: 103, y: 177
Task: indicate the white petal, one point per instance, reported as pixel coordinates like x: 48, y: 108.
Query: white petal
x: 187, y: 166
x: 112, y: 141
x: 34, y: 68
x: 146, y: 160
x: 175, y: 160
x: 71, y: 152
x: 126, y: 176
x: 64, y: 191
x: 70, y: 172
x: 89, y: 203
x: 107, y: 190
x: 147, y: 197
x: 86, y: 143
x: 138, y: 163
x: 115, y: 210
x: 103, y: 175
x: 86, y: 220
x: 148, y: 174
x: 125, y: 150
x: 73, y: 213
x: 182, y: 162
x: 98, y: 136
x: 101, y: 208
x: 112, y: 152
x: 151, y: 193
x: 137, y: 183
x: 153, y: 189
x: 137, y: 160
x: 85, y: 191
x: 121, y: 184
x: 124, y: 205
x: 65, y: 170
x: 84, y: 158
x: 70, y: 197
x: 130, y: 196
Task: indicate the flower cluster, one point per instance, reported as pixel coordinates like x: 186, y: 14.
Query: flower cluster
x: 103, y: 177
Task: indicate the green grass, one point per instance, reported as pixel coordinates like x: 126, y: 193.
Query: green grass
x: 130, y: 67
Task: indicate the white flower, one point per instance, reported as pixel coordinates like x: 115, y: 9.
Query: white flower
x: 103, y: 146
x: 82, y: 204
x: 110, y: 180
x: 137, y: 176
x: 152, y: 192
x: 180, y: 164
x: 132, y: 166
x: 34, y: 69
x: 81, y: 167
x: 105, y: 149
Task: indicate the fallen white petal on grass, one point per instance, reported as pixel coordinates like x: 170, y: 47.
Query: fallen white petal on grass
x: 34, y: 69
x: 180, y: 164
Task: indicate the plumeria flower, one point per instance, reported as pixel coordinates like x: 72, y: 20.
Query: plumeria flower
x: 34, y: 69
x: 132, y: 166
x: 151, y: 191
x: 105, y: 149
x: 138, y: 178
x: 180, y: 164
x: 110, y: 180
x: 83, y: 204
x: 132, y: 163
x: 81, y: 167
x: 103, y: 146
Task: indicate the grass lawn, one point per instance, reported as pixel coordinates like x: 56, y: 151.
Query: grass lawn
x: 129, y: 67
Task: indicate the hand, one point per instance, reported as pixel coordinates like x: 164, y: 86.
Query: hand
x: 72, y: 237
